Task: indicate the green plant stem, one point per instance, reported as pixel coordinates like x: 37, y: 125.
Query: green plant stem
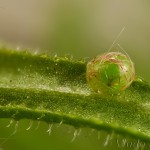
x: 55, y: 90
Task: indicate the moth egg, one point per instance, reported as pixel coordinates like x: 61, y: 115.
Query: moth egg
x: 110, y: 73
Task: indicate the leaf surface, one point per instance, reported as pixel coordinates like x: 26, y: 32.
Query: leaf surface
x: 54, y: 90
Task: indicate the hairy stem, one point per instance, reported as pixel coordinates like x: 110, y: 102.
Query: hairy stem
x: 55, y: 90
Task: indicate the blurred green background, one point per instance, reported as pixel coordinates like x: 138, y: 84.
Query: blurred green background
x: 79, y: 28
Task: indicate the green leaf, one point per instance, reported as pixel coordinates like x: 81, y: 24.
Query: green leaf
x: 55, y: 90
